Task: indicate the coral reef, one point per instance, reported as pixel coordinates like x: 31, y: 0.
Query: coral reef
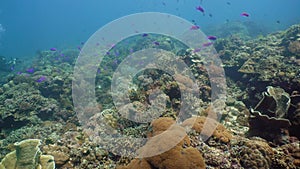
x: 37, y: 103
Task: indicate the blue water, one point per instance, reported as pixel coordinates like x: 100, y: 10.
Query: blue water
x: 32, y: 25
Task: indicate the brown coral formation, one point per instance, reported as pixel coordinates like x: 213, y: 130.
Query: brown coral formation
x: 219, y: 131
x: 165, y: 132
x: 255, y: 154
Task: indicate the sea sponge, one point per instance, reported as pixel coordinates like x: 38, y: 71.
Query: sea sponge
x: 197, y: 124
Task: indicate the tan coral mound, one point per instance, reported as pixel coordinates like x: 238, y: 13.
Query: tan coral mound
x: 218, y: 130
x: 256, y: 154
x: 164, y: 133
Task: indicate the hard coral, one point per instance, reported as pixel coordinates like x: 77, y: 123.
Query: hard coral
x: 220, y: 132
x: 165, y: 132
x: 294, y: 47
x: 254, y: 154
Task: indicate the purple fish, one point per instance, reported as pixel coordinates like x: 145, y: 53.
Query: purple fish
x: 41, y: 79
x: 30, y: 70
x: 156, y: 43
x: 53, y: 49
x: 196, y: 50
x: 117, y: 53
x: 212, y: 37
x: 245, y: 14
x: 194, y: 27
x: 199, y: 8
x: 144, y: 34
x: 207, y: 44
